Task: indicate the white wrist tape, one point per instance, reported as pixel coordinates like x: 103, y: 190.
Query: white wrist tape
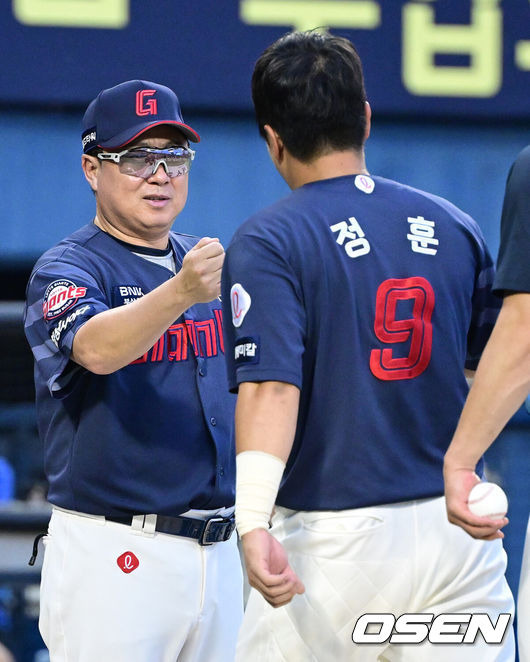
x: 258, y: 478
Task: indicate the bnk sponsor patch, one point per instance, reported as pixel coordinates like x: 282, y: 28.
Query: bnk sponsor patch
x: 124, y: 294
x: 59, y: 297
x: 246, y: 350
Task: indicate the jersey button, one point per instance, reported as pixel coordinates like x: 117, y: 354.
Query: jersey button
x: 201, y: 372
x: 221, y: 471
x: 213, y: 421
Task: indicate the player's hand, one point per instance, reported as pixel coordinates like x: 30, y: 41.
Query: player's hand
x: 268, y: 569
x: 200, y: 276
x: 458, y: 484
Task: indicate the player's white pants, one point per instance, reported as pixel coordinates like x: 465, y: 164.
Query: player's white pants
x: 523, y: 603
x: 397, y: 559
x: 183, y: 602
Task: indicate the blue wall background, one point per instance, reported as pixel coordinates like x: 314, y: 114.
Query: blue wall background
x: 46, y: 196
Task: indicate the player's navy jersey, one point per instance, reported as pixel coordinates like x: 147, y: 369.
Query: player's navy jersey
x: 371, y: 297
x: 513, y: 270
x: 153, y: 437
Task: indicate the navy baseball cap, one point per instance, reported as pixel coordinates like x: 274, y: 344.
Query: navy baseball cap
x: 121, y: 113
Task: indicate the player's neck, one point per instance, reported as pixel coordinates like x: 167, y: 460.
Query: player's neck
x: 336, y: 164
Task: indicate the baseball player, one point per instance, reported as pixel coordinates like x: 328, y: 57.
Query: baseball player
x: 125, y: 324
x: 502, y: 382
x: 354, y: 306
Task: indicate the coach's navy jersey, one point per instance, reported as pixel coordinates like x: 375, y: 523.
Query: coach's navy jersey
x: 371, y: 297
x: 153, y: 437
x: 513, y: 269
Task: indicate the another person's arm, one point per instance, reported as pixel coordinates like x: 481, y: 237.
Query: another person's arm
x: 500, y: 386
x: 266, y: 415
x: 263, y: 307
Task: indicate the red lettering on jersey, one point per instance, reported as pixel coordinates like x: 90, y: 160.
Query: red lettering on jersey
x: 177, y: 342
x: 219, y: 320
x: 141, y: 359
x: 190, y: 326
x: 158, y: 349
x: 205, y: 336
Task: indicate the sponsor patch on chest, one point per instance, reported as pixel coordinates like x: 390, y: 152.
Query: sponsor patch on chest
x: 124, y: 294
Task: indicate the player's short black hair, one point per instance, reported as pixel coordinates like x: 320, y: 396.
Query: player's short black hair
x: 309, y: 87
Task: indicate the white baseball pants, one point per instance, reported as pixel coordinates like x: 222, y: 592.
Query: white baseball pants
x: 393, y: 559
x: 110, y: 594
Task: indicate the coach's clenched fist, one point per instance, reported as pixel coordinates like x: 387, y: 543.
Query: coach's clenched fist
x: 200, y: 276
x: 115, y: 337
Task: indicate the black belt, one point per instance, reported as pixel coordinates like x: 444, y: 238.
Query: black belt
x: 207, y: 532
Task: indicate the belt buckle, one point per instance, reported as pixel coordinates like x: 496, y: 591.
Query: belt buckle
x: 202, y: 539
x: 229, y: 529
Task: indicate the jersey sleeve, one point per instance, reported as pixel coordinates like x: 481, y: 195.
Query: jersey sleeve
x: 60, y: 298
x: 485, y: 306
x: 264, y: 316
x: 513, y: 272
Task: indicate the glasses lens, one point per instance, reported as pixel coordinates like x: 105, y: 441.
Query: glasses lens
x: 144, y: 162
x: 134, y: 163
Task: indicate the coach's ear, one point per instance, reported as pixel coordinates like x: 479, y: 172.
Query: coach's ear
x: 91, y: 165
x: 274, y: 144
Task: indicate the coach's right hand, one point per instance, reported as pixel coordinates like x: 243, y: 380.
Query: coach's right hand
x: 199, y: 279
x: 113, y: 338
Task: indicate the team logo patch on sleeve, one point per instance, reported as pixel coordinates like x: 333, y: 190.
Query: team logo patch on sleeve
x: 240, y: 302
x: 59, y: 297
x: 246, y: 350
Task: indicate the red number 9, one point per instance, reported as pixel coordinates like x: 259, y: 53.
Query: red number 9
x: 417, y: 330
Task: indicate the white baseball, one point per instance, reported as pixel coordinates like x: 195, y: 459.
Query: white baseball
x: 488, y: 500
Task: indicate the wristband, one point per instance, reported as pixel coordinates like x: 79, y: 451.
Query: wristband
x: 258, y: 478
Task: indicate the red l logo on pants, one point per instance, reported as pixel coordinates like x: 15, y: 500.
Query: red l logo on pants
x: 127, y: 562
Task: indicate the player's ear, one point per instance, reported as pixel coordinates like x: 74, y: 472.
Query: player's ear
x: 368, y: 115
x: 274, y: 144
x: 91, y: 165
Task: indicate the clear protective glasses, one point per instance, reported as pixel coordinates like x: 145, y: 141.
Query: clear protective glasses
x: 143, y: 161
